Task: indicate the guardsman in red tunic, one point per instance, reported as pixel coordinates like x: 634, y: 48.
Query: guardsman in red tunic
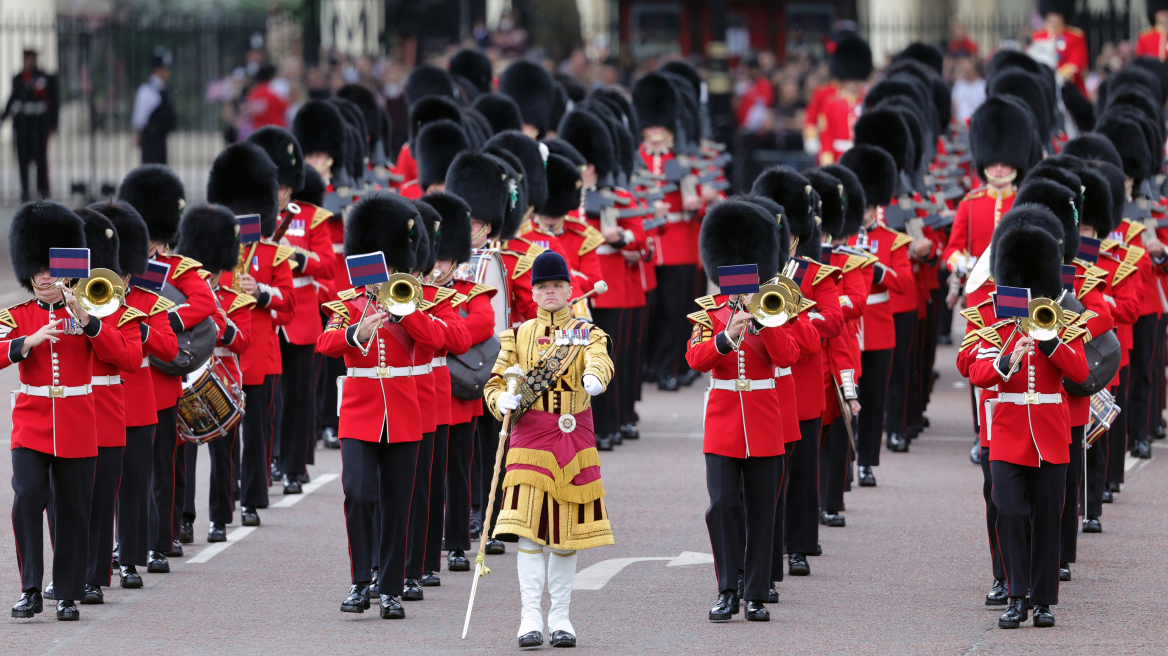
x: 380, y: 426
x: 571, y: 237
x: 1153, y: 42
x: 158, y: 195
x: 54, y: 426
x: 158, y: 340
x: 1143, y: 332
x: 473, y: 305
x: 244, y: 179
x: 827, y: 129
x: 1069, y: 42
x: 743, y: 447
x: 1029, y: 432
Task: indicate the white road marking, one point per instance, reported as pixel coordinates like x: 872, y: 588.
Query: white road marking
x: 211, y: 551
x: 292, y: 499
x: 598, y: 575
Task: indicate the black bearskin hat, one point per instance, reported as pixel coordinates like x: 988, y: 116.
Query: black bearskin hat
x: 428, y: 80
x: 788, y: 188
x: 1001, y: 131
x: 158, y: 195
x: 876, y: 171
x: 133, y: 239
x: 624, y: 147
x: 313, y: 190
x: 656, y: 102
x: 1004, y: 60
x: 438, y: 143
x: 35, y: 229
x: 455, y: 243
x: 210, y: 234
x: 925, y: 53
x: 739, y: 232
x: 1125, y: 135
x: 1061, y: 202
x: 518, y: 210
x: 473, y: 118
x: 853, y: 197
x: 530, y: 154
x: 481, y: 181
x: 431, y: 109
x: 384, y: 222
x: 369, y: 103
x: 500, y: 111
x: 560, y: 104
x: 1156, y: 68
x: 558, y: 146
x: 1080, y: 109
x: 1098, y: 205
x: 319, y: 128
x: 1117, y: 186
x: 243, y: 178
x: 917, y: 129
x: 1028, y: 251
x: 620, y: 104
x: 587, y: 133
x: 564, y: 187
x: 886, y: 129
x: 532, y: 88
x: 1028, y: 88
x: 782, y: 225
x: 285, y: 153
x: 1065, y: 8
x: 475, y: 67
x: 1092, y: 146
x: 832, y: 200
x: 102, y: 240
x: 430, y: 239
x: 852, y: 59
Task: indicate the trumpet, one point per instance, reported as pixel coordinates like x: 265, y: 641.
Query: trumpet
x: 1045, y: 322
x: 101, y: 294
x: 773, y: 304
x: 401, y: 294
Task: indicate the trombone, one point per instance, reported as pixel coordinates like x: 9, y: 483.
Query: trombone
x: 101, y: 294
x: 1045, y: 322
x: 400, y: 295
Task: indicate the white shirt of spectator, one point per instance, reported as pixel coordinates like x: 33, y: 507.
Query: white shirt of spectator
x: 148, y: 99
x: 967, y: 97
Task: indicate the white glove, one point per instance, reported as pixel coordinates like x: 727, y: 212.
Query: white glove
x: 507, y: 401
x: 812, y: 147
x: 592, y: 384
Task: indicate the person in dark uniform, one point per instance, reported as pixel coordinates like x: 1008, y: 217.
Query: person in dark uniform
x: 154, y: 115
x: 33, y: 108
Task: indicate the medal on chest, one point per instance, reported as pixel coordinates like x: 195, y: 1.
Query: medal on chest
x: 572, y: 337
x: 70, y: 326
x: 542, y: 344
x: 297, y: 228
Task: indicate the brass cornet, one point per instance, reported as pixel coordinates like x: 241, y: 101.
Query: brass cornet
x: 101, y: 294
x: 773, y: 304
x: 401, y: 294
x: 1045, y: 321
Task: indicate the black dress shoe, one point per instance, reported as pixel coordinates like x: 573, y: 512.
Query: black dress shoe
x: 186, y: 532
x: 217, y: 533
x: 176, y: 550
x: 412, y: 591
x: 476, y: 525
x: 997, y: 594
x: 944, y: 340
x: 1092, y: 525
x: 531, y: 639
x: 1158, y: 432
x: 30, y: 604
x: 249, y: 517
x: 924, y: 419
x: 1141, y: 450
x: 1016, y: 613
x: 797, y: 565
x: 562, y: 639
x: 603, y: 443
x: 156, y: 563
x: 867, y: 478
x: 358, y: 599
x: 818, y: 551
x: 688, y: 378
x: 430, y: 580
x: 129, y: 577
x: 276, y: 473
x: 1113, y: 488
x: 1043, y: 617
x: 834, y: 519
x: 756, y: 612
x: 67, y: 611
x: 93, y: 595
x: 303, y: 479
x: 913, y: 431
x: 726, y: 608
x: 330, y: 439
x: 495, y: 548
x: 1108, y: 497
x: 772, y: 595
x: 897, y: 443
x: 391, y: 608
x: 1064, y: 571
x: 292, y: 485
x: 373, y: 582
x: 668, y: 384
x: 48, y: 591
x: 975, y: 453
x: 629, y: 432
x: 616, y: 439
x: 115, y: 562
x: 456, y: 561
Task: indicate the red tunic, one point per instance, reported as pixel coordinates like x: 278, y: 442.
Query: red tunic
x: 406, y: 167
x: 473, y: 305
x: 434, y: 387
x: 1087, y: 290
x: 678, y: 239
x: 1152, y: 42
x: 107, y: 394
x: 973, y: 226
x: 518, y: 256
x: 268, y: 263
x: 877, y: 330
x: 839, y: 116
x: 1072, y: 54
x: 1124, y: 288
x: 200, y: 304
x: 577, y: 243
x: 309, y: 232
x: 978, y: 317
x: 161, y: 343
x: 819, y: 285
x: 236, y: 338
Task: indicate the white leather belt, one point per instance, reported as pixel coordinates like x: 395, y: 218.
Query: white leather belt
x: 387, y: 372
x: 437, y: 362
x: 674, y: 217
x: 223, y: 352
x: 841, y: 145
x: 605, y: 249
x: 874, y: 299
x: 302, y: 281
x: 106, y: 380
x: 145, y: 362
x: 782, y: 371
x: 55, y: 392
x: 742, y: 384
x: 1029, y: 398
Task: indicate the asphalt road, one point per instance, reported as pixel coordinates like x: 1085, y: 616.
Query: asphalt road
x: 906, y: 576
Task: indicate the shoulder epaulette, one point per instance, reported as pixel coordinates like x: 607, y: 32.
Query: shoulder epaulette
x: 1073, y: 30
x: 479, y: 288
x: 1089, y: 283
x: 523, y: 264
x: 337, y: 307
x: 130, y: 314
x: 241, y: 300
x: 901, y: 240
x: 205, y: 274
x: 1107, y: 244
x: 1070, y: 317
x: 184, y: 265
x: 348, y: 294
x: 854, y: 262
x: 283, y: 252
x: 972, y: 337
x: 592, y: 237
x: 706, y: 302
x: 426, y: 305
x: 702, y: 318
x: 458, y: 299
x: 824, y: 271
x: 990, y: 334
x: 161, y: 305
x: 1133, y: 254
x: 6, y: 317
x: 976, y: 193
x: 973, y: 316
x: 442, y: 294
x: 320, y: 216
x: 1122, y: 271
x: 1095, y: 271
x: 1071, y: 333
x: 1086, y: 316
x: 807, y: 304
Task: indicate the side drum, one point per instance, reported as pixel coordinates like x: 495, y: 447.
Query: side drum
x: 211, y: 405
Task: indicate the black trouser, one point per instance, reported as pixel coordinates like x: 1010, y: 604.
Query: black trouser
x: 1030, y: 504
x: 326, y: 409
x: 107, y: 478
x: 780, y: 538
x: 1139, y: 384
x: 32, y: 145
x: 220, y: 505
x: 987, y: 487
x: 944, y: 313
x: 627, y: 365
x: 378, y: 475
x: 38, y: 478
x: 802, y: 530
x: 255, y: 456
x: 873, y: 386
x: 1159, y: 371
x: 162, y: 521
x: 675, y: 293
x: 895, y: 404
x: 180, y: 483
x: 1117, y: 437
x: 432, y: 561
x: 314, y: 428
x: 833, y: 466
x: 134, y: 498
x: 1096, y: 480
x: 606, y: 408
x: 420, y: 508
x: 191, y: 467
x: 298, y: 418
x: 742, y: 490
x: 1072, y: 496
x: 458, y: 497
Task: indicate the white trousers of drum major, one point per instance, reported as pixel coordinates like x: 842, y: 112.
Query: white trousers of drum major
x: 559, y: 577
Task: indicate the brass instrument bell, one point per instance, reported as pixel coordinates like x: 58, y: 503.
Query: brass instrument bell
x: 1045, y: 320
x: 773, y: 304
x: 101, y: 294
x: 401, y: 294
